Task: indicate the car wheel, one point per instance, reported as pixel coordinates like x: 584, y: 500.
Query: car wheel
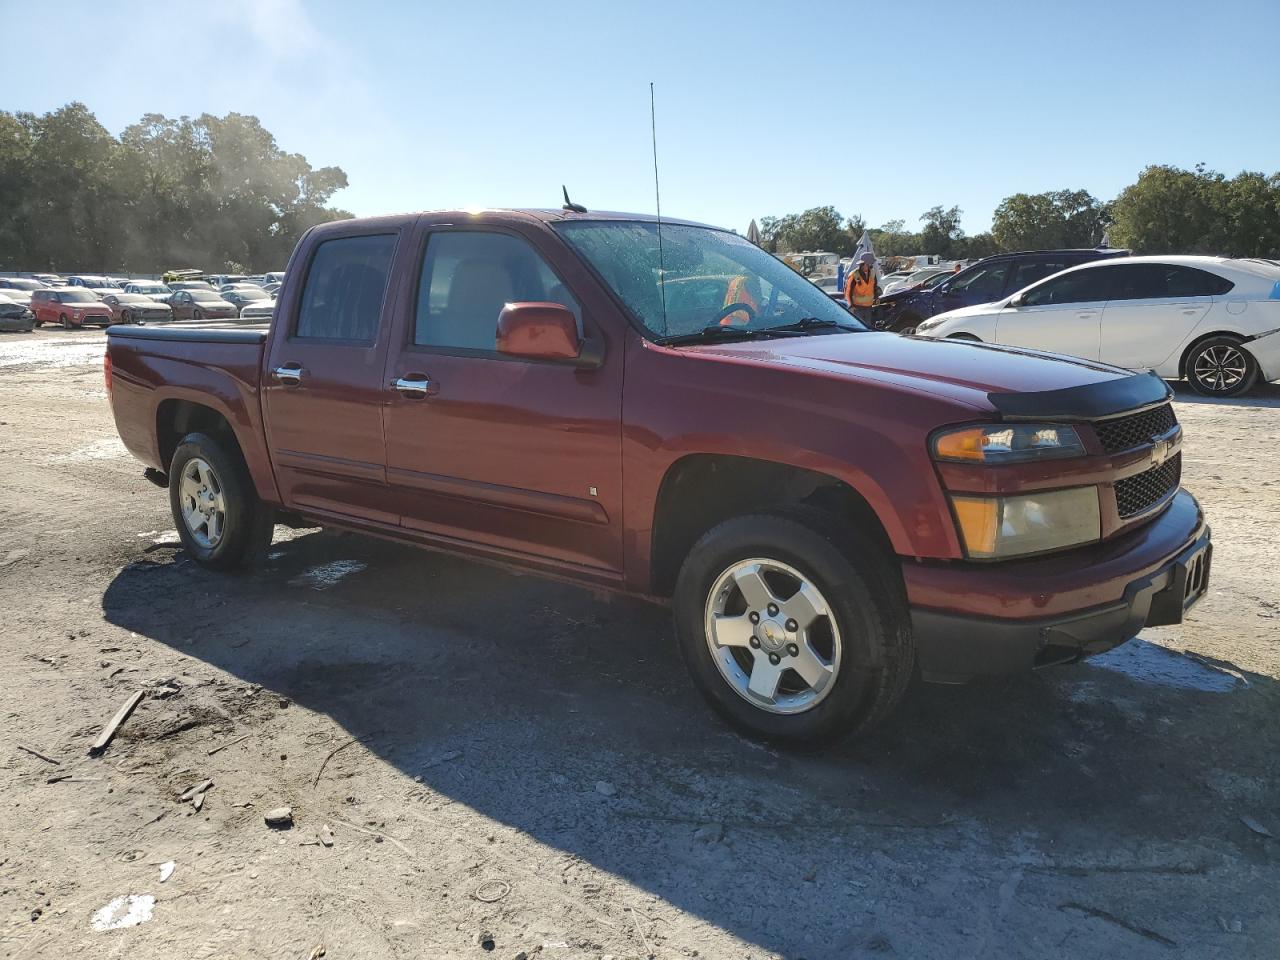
x: 65, y: 321
x: 1221, y: 367
x: 196, y: 315
x: 219, y: 517
x: 35, y: 324
x: 793, y: 633
x: 125, y: 317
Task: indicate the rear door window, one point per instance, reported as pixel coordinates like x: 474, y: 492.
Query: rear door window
x: 345, y: 289
x: 1155, y: 281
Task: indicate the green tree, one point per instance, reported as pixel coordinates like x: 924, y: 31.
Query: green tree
x: 941, y: 230
x: 206, y: 192
x: 1048, y: 221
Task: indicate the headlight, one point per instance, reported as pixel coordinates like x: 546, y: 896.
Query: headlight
x: 928, y: 325
x: 996, y: 527
x: 997, y: 443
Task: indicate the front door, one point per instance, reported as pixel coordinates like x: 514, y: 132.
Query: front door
x: 519, y: 457
x: 323, y: 391
x: 1153, y: 308
x: 1061, y: 315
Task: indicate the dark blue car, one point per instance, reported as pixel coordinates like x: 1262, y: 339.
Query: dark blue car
x: 985, y: 281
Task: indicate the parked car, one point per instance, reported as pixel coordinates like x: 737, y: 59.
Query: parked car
x: 186, y: 273
x: 258, y: 310
x: 241, y: 297
x: 70, y: 307
x: 1212, y: 320
x: 175, y: 285
x: 91, y: 281
x: 15, y: 317
x: 916, y: 278
x: 20, y: 283
x: 200, y: 305
x: 985, y: 281
x: 18, y: 295
x: 225, y: 279
x: 825, y: 508
x: 49, y: 279
x: 274, y: 276
x: 149, y: 288
x: 272, y: 288
x: 136, y: 308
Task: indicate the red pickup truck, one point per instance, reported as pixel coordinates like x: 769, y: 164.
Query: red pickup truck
x: 666, y: 410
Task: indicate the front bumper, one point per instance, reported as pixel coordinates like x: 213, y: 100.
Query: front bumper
x: 1058, y: 609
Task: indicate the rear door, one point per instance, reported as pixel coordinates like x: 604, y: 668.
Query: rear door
x: 1062, y: 314
x: 322, y: 390
x: 1153, y: 308
x: 517, y: 456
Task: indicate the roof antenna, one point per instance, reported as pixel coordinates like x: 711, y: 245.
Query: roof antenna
x: 657, y: 197
x: 569, y: 204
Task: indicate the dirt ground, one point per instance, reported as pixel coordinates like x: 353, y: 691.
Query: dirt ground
x: 513, y: 768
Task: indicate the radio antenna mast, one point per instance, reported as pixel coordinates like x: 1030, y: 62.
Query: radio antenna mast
x: 657, y: 197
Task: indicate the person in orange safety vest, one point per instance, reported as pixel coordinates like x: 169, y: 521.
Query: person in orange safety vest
x: 741, y: 289
x: 862, y: 289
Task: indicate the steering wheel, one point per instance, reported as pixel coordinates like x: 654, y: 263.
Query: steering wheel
x: 729, y: 309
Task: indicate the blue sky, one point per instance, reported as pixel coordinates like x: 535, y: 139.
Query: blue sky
x: 763, y: 108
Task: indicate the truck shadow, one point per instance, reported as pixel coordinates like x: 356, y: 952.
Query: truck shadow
x: 576, y: 725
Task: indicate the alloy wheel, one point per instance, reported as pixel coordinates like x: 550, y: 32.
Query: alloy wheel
x: 204, y: 507
x: 1221, y: 368
x: 773, y: 636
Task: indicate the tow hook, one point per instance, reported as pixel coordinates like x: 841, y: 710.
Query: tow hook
x: 158, y: 477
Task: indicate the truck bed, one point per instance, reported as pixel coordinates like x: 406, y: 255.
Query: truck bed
x: 194, y: 333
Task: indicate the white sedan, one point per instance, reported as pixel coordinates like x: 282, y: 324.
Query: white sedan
x: 1213, y: 320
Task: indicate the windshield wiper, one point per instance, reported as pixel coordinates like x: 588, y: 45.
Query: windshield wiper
x: 710, y: 334
x: 814, y: 323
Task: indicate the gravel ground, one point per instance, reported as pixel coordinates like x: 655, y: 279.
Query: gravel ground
x: 509, y: 767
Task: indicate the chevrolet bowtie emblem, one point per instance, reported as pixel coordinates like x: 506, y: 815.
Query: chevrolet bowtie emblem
x: 1160, y: 452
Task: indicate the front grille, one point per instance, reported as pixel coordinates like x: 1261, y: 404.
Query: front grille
x: 96, y: 318
x: 1141, y: 492
x: 1125, y: 433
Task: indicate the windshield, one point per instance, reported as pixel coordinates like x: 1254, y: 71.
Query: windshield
x: 18, y: 283
x: 710, y: 277
x: 150, y: 288
x: 250, y: 293
x: 205, y: 296
x: 77, y: 296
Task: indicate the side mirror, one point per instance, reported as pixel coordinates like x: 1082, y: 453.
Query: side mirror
x: 543, y: 331
x: 1014, y: 301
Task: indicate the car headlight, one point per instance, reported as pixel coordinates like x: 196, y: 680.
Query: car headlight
x: 997, y: 527
x: 928, y: 325
x: 997, y: 443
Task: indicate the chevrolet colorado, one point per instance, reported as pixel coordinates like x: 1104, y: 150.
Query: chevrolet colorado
x: 665, y: 410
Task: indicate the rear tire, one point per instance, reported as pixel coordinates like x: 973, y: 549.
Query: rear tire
x: 1221, y: 367
x: 220, y: 519
x: 862, y: 642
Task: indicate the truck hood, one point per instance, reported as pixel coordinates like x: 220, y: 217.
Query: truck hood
x: 958, y: 370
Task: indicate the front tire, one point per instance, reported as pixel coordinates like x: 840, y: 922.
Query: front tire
x: 219, y: 517
x: 1221, y: 367
x: 792, y: 632
x: 65, y: 321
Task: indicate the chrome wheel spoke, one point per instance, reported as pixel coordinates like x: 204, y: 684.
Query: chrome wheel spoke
x: 214, y: 525
x: 732, y: 631
x: 750, y: 580
x: 764, y: 679
x: 805, y: 606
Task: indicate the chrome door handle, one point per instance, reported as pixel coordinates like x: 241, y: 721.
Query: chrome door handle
x: 416, y: 388
x: 290, y: 375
